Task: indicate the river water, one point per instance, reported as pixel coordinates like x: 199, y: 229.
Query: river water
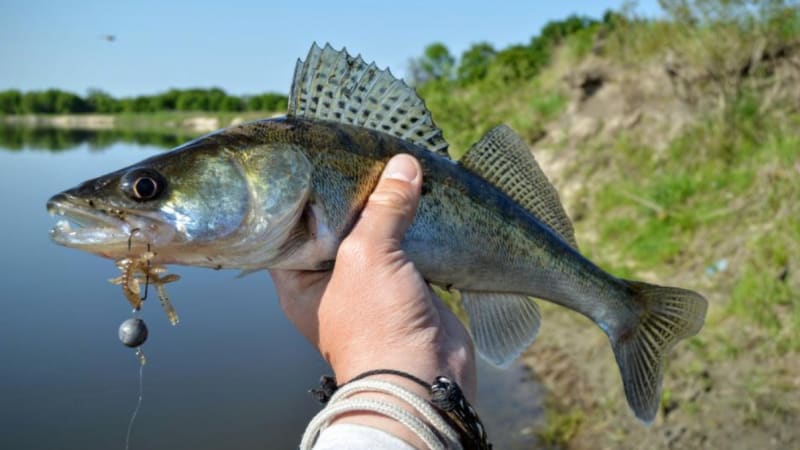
x: 233, y: 374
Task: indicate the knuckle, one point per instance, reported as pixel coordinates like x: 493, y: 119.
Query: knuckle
x: 392, y: 197
x: 352, y: 250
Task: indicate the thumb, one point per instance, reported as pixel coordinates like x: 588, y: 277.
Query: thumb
x: 391, y: 207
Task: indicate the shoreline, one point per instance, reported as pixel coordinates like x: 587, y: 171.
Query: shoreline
x: 66, y: 121
x: 198, y: 121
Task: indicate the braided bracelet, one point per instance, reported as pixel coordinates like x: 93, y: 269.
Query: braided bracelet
x: 446, y: 397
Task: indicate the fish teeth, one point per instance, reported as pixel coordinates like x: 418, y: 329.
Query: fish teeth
x: 63, y: 226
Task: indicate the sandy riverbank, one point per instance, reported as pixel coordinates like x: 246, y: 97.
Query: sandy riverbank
x: 198, y: 122
x: 72, y: 121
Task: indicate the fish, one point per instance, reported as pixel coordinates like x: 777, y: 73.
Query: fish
x: 283, y: 192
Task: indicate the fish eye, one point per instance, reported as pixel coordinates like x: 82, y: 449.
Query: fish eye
x: 143, y: 184
x: 145, y: 188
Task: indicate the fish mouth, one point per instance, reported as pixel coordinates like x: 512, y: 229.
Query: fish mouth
x: 93, y: 229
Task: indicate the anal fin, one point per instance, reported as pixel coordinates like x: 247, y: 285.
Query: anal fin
x: 502, y: 325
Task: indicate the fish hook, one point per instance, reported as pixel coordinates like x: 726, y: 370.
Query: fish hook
x: 147, y: 272
x: 130, y: 237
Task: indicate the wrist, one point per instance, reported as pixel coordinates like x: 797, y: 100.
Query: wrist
x: 385, y: 400
x: 424, y: 364
x: 388, y: 389
x: 381, y: 422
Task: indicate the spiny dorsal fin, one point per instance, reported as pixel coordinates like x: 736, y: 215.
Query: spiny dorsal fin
x: 503, y: 159
x: 334, y: 86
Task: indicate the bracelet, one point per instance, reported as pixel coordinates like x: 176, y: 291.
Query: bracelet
x: 434, y: 432
x: 446, y: 397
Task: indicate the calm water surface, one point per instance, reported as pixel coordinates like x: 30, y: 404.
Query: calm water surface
x: 233, y: 374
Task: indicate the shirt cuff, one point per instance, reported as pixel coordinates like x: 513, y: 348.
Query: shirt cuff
x: 358, y: 437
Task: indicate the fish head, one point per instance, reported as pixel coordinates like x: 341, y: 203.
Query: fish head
x: 194, y: 205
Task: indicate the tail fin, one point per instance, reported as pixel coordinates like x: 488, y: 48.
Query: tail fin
x: 668, y: 315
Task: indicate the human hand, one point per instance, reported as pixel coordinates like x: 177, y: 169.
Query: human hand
x: 374, y: 310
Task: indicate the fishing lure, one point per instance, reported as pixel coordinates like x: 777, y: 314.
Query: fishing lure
x: 137, y: 270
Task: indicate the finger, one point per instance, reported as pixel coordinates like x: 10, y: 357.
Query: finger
x: 391, y: 207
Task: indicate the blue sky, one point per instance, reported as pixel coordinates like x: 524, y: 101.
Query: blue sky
x: 243, y: 46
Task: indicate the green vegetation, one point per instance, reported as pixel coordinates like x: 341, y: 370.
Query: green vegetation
x: 699, y: 187
x: 560, y: 428
x: 708, y: 198
x: 463, y: 94
x: 54, y: 101
x: 735, y: 159
x: 719, y: 192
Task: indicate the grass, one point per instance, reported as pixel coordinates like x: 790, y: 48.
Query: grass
x: 466, y: 113
x: 560, y: 427
x: 715, y: 209
x: 734, y: 200
x: 721, y: 191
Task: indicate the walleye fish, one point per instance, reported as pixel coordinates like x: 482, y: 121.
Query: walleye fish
x: 284, y: 192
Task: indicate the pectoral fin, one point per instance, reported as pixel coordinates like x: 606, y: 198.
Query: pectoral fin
x: 502, y: 325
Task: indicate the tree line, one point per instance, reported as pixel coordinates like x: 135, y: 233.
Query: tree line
x: 56, y: 101
x: 437, y: 66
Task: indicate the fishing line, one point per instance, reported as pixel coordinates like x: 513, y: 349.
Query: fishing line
x: 133, y: 333
x: 138, y: 402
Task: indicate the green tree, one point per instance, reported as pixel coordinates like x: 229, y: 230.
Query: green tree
x: 141, y: 103
x: 192, y: 100
x: 254, y: 103
x: 215, y: 97
x: 10, y: 102
x: 164, y: 102
x: 101, y: 102
x: 436, y: 63
x: 127, y: 105
x: 275, y: 102
x: 69, y: 103
x: 516, y: 62
x: 267, y: 102
x: 555, y: 31
x: 197, y: 99
x: 474, y: 64
x: 39, y: 102
x: 231, y: 103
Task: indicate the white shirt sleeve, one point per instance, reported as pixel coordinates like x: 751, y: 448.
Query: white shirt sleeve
x: 347, y: 436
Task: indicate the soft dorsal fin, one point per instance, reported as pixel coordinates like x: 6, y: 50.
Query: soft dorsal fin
x: 331, y: 85
x: 503, y: 159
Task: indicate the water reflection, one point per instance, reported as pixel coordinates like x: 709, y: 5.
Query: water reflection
x: 234, y: 374
x: 16, y: 138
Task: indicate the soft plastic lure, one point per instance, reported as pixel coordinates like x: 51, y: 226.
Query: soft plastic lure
x: 138, y: 270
